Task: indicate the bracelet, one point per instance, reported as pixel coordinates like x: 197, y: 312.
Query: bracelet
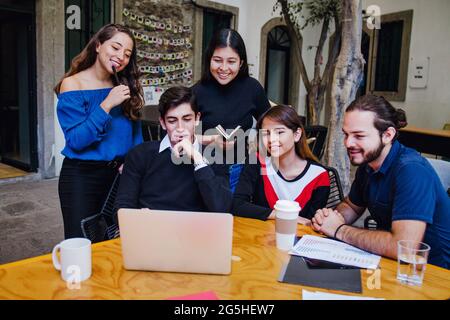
x: 335, y: 233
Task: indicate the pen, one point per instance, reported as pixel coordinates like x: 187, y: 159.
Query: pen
x: 115, y: 75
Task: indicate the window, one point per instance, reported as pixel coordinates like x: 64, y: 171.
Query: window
x: 277, y: 65
x: 94, y: 15
x: 213, y: 21
x: 18, y: 107
x: 386, y: 52
x: 210, y: 16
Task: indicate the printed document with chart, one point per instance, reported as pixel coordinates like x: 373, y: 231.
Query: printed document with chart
x: 314, y: 247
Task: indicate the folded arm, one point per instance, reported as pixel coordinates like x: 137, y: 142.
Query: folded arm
x: 244, y: 196
x: 215, y: 190
x: 383, y: 242
x: 130, y: 181
x: 350, y: 211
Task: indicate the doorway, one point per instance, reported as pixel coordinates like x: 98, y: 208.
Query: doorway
x: 278, y: 65
x: 94, y: 15
x: 18, y: 119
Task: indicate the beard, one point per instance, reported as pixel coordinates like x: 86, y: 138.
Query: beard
x: 368, y: 156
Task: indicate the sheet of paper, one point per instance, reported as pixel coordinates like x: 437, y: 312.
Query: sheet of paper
x: 310, y: 295
x: 152, y: 95
x: 334, y: 251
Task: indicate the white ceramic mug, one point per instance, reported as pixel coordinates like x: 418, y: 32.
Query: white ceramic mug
x: 75, y: 263
x: 286, y: 214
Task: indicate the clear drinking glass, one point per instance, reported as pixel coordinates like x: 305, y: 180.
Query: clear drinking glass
x: 412, y: 261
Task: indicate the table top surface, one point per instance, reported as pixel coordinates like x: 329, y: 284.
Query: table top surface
x: 255, y: 269
x: 432, y: 132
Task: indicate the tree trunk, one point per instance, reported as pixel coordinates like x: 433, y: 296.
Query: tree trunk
x: 293, y: 31
x: 346, y: 80
x: 317, y: 87
x: 312, y: 98
x: 315, y: 100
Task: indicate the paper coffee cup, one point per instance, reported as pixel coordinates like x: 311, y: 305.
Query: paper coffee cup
x: 286, y: 214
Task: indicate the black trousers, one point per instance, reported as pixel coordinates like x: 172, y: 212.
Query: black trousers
x: 83, y: 187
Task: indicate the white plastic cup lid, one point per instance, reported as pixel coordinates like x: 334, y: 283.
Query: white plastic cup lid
x: 287, y: 206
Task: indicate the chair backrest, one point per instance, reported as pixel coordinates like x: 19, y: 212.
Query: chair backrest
x: 151, y: 130
x: 103, y: 225
x: 302, y: 120
x: 320, y: 133
x: 442, y: 169
x: 336, y: 194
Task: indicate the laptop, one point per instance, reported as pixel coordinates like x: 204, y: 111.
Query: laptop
x: 176, y: 241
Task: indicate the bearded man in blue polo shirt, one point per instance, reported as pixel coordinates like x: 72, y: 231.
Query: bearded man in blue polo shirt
x: 396, y: 184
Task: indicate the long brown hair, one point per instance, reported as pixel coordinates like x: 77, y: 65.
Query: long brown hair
x: 129, y: 76
x: 287, y: 116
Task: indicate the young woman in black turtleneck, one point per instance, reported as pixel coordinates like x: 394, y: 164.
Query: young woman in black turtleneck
x: 228, y: 96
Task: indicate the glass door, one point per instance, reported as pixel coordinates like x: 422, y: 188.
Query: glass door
x: 94, y: 15
x: 18, y: 145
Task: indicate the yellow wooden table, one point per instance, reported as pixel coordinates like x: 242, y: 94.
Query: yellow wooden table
x: 429, y: 132
x: 255, y: 270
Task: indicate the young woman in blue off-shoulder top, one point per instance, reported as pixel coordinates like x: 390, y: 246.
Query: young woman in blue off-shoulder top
x: 99, y: 115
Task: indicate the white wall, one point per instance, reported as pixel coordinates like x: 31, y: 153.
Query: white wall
x: 253, y: 14
x: 430, y: 107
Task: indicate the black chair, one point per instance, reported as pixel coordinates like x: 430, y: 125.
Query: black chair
x: 370, y: 223
x: 320, y: 135
x: 103, y: 225
x: 151, y: 130
x: 302, y: 120
x: 336, y: 194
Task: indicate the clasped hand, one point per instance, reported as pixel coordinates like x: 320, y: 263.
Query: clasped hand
x: 327, y: 221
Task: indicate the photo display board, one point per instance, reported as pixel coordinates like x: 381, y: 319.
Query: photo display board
x: 164, y: 39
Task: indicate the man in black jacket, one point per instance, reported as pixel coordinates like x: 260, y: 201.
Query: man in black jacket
x: 172, y: 174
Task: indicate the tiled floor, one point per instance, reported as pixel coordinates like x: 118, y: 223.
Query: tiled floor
x: 30, y: 219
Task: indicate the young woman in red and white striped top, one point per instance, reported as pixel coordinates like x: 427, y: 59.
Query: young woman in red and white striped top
x: 284, y: 168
